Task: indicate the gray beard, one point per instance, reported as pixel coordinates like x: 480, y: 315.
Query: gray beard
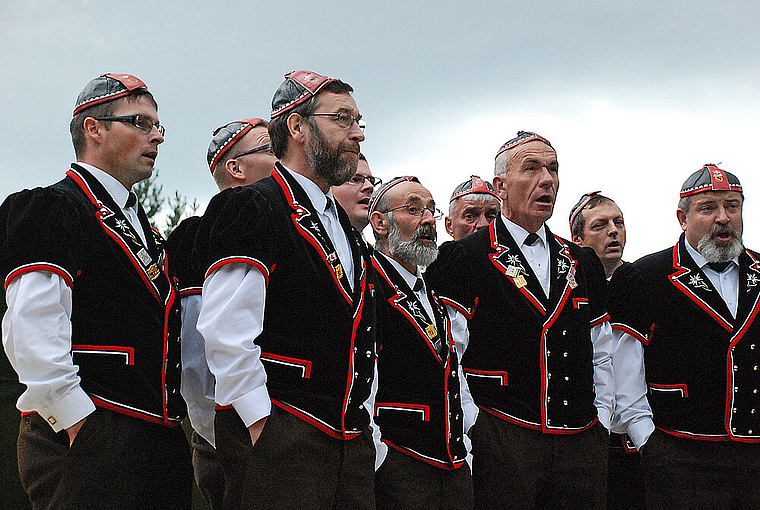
x: 716, y: 251
x: 326, y: 160
x: 411, y: 251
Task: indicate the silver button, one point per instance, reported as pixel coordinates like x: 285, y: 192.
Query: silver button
x: 453, y: 374
x: 457, y: 416
x: 733, y: 429
x: 548, y: 399
x: 564, y: 332
x: 564, y: 355
x: 369, y: 354
x: 179, y: 365
x: 567, y: 378
x: 174, y: 392
x: 548, y: 422
x: 550, y: 376
x: 369, y: 379
x: 733, y: 410
x: 459, y: 438
x: 369, y: 328
x: 753, y: 411
x: 755, y: 367
x: 737, y: 368
x: 356, y: 349
x: 564, y: 402
x: 361, y: 406
x: 548, y: 353
x: 752, y: 347
x: 736, y: 389
x: 754, y: 391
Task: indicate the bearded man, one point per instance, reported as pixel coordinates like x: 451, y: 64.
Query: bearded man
x: 287, y: 314
x: 422, y: 405
x: 694, y: 308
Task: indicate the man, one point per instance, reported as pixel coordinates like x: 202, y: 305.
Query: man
x: 92, y: 326
x: 287, y: 313
x: 239, y: 154
x: 597, y: 222
x: 539, y: 342
x: 420, y: 408
x: 694, y: 308
x: 353, y: 195
x: 473, y: 205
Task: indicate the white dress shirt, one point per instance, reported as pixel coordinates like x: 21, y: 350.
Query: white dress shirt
x: 726, y: 283
x: 537, y: 254
x: 37, y: 335
x: 232, y: 317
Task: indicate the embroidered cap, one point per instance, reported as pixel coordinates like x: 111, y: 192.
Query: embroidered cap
x: 297, y: 88
x: 473, y: 185
x: 521, y: 138
x: 583, y: 202
x: 382, y: 190
x: 710, y: 178
x: 226, y: 136
x: 108, y: 87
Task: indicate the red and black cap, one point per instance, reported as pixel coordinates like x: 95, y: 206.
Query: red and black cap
x: 710, y: 178
x: 226, y: 136
x: 521, y: 138
x: 108, y: 87
x: 583, y: 202
x: 382, y: 190
x: 298, y: 87
x: 473, y: 185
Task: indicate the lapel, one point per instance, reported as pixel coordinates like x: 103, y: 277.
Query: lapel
x: 562, y: 268
x: 434, y: 332
x: 695, y: 285
x: 308, y: 225
x: 749, y: 290
x: 355, y: 241
x: 510, y: 261
x: 149, y: 261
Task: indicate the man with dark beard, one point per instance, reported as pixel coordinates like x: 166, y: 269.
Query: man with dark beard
x: 422, y: 404
x: 694, y: 308
x: 288, y: 316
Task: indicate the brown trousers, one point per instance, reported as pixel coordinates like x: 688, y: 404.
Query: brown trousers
x: 690, y: 474
x: 403, y: 482
x: 116, y: 461
x: 209, y: 475
x: 520, y: 468
x: 293, y: 465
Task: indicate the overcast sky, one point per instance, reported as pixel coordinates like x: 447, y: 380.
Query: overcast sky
x: 634, y: 95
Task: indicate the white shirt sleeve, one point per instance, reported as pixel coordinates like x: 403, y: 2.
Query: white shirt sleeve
x: 632, y: 412
x: 37, y: 340
x: 381, y: 449
x: 604, y: 377
x: 231, y: 318
x: 197, y: 386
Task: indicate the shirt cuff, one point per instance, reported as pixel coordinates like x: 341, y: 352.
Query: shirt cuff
x: 69, y: 410
x: 253, y: 406
x: 604, y: 416
x: 640, y: 431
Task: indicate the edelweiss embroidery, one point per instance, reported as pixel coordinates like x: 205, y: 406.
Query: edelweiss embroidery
x: 562, y: 266
x: 122, y: 224
x: 751, y: 281
x: 698, y: 283
x: 514, y: 260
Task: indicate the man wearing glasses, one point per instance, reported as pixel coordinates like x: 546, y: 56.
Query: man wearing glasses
x: 239, y: 154
x: 539, y: 344
x: 354, y: 194
x: 473, y: 205
x: 422, y: 405
x: 93, y: 319
x: 288, y: 315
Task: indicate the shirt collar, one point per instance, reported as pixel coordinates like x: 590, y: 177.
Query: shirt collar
x: 317, y: 198
x: 114, y: 188
x: 699, y: 258
x: 408, y: 277
x: 519, y: 234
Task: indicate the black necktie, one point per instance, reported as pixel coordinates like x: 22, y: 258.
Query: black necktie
x: 718, y: 267
x: 531, y: 239
x: 131, y: 200
x: 417, y: 285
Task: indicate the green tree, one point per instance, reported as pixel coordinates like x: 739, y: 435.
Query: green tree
x: 150, y: 194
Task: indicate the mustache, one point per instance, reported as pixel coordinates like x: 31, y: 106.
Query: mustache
x: 723, y: 229
x: 425, y: 230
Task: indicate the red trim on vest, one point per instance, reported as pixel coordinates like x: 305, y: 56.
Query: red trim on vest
x: 578, y: 301
x: 117, y: 349
x: 135, y: 414
x: 686, y: 291
x: 468, y: 313
x: 635, y: 334
x: 498, y: 374
x: 345, y: 435
x: 302, y: 363
x: 456, y: 464
x: 601, y: 320
x: 672, y: 387
x: 39, y: 266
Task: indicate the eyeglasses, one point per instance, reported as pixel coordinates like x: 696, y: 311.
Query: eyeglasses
x: 266, y: 147
x: 344, y: 120
x: 138, y: 121
x: 359, y: 179
x: 415, y: 210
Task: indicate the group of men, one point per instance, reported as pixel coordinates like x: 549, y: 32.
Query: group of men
x: 320, y: 371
